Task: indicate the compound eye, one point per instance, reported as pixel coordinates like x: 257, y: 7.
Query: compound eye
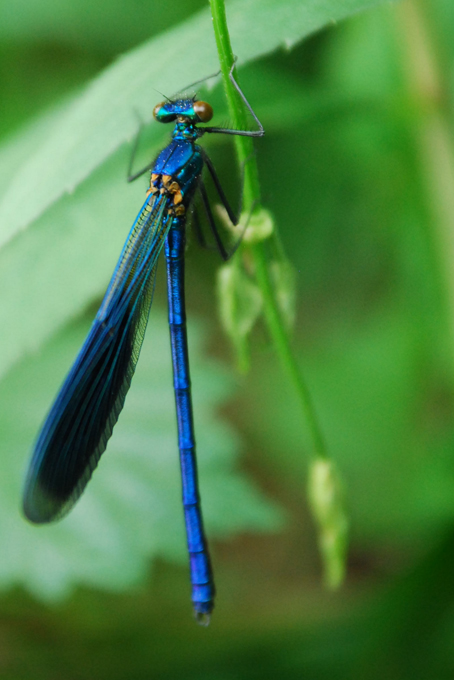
x: 203, y: 111
x: 156, y: 111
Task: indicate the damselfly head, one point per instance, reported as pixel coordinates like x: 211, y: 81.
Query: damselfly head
x: 195, y: 111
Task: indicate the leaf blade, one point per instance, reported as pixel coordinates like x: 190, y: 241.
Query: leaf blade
x: 104, y: 116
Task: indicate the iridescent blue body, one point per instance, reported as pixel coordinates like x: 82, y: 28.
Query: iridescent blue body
x: 81, y: 420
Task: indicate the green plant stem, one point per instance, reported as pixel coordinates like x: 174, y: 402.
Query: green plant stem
x: 284, y: 350
x: 244, y: 145
x: 251, y: 200
x: 434, y: 138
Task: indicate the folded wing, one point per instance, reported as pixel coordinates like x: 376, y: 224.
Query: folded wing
x: 81, y: 420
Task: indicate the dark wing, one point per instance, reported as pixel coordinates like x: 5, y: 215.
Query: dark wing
x: 82, y: 418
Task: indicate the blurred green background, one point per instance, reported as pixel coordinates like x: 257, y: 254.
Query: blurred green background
x: 357, y: 166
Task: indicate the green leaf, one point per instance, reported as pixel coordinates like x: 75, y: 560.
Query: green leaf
x: 105, y: 115
x: 49, y: 273
x: 103, y: 25
x: 131, y: 511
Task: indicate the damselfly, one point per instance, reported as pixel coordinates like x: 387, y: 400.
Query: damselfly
x: 81, y: 420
